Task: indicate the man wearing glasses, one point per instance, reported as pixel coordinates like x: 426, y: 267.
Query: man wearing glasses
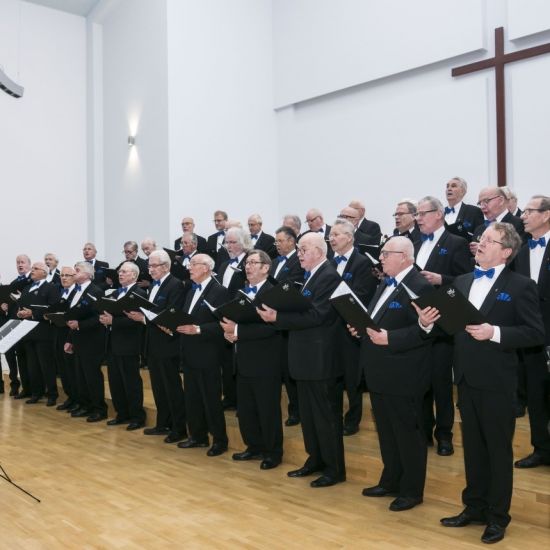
x: 441, y: 256
x: 188, y: 226
x: 405, y: 220
x: 485, y: 366
x: 215, y: 241
x: 533, y: 261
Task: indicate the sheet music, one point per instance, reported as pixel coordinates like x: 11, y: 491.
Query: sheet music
x: 13, y: 331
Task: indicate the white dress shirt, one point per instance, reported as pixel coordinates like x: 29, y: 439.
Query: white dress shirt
x: 389, y: 289
x: 342, y: 265
x: 427, y: 247
x: 283, y: 263
x: 78, y: 294
x: 198, y: 293
x: 229, y: 272
x: 536, y: 255
x: 155, y: 289
x: 451, y: 217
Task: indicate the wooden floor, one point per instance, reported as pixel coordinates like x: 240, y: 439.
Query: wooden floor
x: 105, y: 488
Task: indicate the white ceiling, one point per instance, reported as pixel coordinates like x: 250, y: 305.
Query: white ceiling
x: 78, y: 7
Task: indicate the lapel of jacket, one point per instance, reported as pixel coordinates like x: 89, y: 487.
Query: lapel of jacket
x: 491, y: 297
x: 311, y: 281
x: 433, y: 259
x: 544, y: 266
x: 391, y: 298
x: 203, y: 296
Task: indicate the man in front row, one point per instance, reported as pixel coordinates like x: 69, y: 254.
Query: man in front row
x: 396, y: 362
x: 485, y: 367
x: 312, y: 364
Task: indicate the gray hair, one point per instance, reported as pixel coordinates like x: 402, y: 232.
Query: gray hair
x: 242, y: 237
x: 133, y: 244
x: 405, y: 245
x: 410, y: 204
x: 295, y: 220
x: 86, y: 267
x: 462, y: 182
x: 345, y: 225
x: 193, y: 237
x: 161, y: 256
x: 544, y: 201
x: 132, y: 267
x: 435, y: 203
x: 509, y: 238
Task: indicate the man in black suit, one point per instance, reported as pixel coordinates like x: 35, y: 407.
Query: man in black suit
x: 231, y: 275
x: 215, y: 241
x: 90, y: 252
x: 359, y: 238
x: 513, y: 203
x: 162, y: 351
x: 287, y: 268
x: 86, y: 340
x: 441, y: 256
x: 494, y: 205
x: 356, y: 271
x: 485, y: 366
x: 313, y: 366
x: 396, y: 363
x: 460, y: 218
x: 533, y: 260
x: 130, y: 251
x: 202, y: 348
x: 52, y: 261
x: 316, y: 223
x: 261, y: 240
x: 39, y: 342
x: 124, y: 345
x: 188, y: 226
x: 405, y: 221
x: 16, y: 356
x: 368, y: 227
x: 257, y: 359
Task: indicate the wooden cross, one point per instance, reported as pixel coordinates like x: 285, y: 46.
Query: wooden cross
x: 498, y: 63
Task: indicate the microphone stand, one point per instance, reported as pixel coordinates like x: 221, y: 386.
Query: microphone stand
x: 5, y: 476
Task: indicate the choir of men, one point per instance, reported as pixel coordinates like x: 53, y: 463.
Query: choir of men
x: 406, y: 363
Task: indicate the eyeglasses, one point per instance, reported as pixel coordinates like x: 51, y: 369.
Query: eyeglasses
x: 420, y: 214
x: 485, y: 202
x: 253, y: 262
x: 489, y: 240
x: 218, y: 221
x: 386, y: 253
x: 529, y: 211
x: 313, y: 219
x: 154, y: 266
x: 346, y: 217
x: 399, y: 214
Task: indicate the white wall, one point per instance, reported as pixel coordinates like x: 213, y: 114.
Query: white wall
x: 222, y: 125
x: 43, y: 136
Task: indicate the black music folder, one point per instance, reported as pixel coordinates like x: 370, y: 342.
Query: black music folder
x: 286, y: 297
x: 351, y: 309
x: 239, y: 310
x: 455, y: 308
x: 5, y: 294
x: 172, y: 318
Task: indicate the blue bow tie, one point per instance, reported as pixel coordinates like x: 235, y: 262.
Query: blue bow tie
x: 234, y: 261
x: 282, y: 259
x: 307, y: 275
x: 186, y: 257
x: 252, y: 289
x: 22, y: 278
x: 478, y: 273
x: 320, y: 230
x: 533, y: 243
x: 34, y: 284
x: 428, y: 237
x: 449, y: 209
x: 156, y: 283
x: 254, y: 237
x: 340, y: 259
x: 78, y: 288
x: 390, y: 281
x: 65, y: 292
x: 90, y: 261
x: 487, y: 223
x: 196, y: 286
x: 220, y: 233
x: 122, y: 290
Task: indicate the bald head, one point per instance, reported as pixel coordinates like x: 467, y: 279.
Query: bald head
x: 359, y: 206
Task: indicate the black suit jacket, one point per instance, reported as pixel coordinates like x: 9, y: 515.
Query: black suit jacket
x: 211, y: 244
x: 370, y: 228
x: 291, y: 272
x: 358, y: 276
x: 402, y: 367
x: 204, y: 350
x: 469, y: 217
x: 522, y: 265
x: 414, y: 234
x: 90, y: 336
x: 513, y: 305
x: 266, y: 243
x: 100, y: 275
x: 239, y: 277
x: 259, y: 346
x: 46, y: 295
x: 312, y: 333
x: 170, y: 294
x: 509, y: 218
x: 450, y: 257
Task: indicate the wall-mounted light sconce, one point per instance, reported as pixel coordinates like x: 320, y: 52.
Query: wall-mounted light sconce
x: 131, y: 141
x: 9, y: 86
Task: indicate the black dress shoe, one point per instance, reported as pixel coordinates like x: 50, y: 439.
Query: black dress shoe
x: 14, y: 392
x: 32, y: 400
x: 174, y: 437
x: 378, y: 491
x: 51, y: 402
x: 292, y: 421
x: 2, y: 386
x: 247, y: 455
x: 80, y: 413
x: 269, y: 463
x: 65, y: 406
x: 156, y: 431
x: 96, y: 417
x: 229, y: 406
x: 134, y: 426
x: 350, y: 430
x: 216, y: 449
x: 463, y: 519
x: 532, y: 461
x: 324, y: 481
x: 405, y: 503
x: 73, y: 408
x: 303, y: 471
x: 116, y: 421
x: 445, y: 448
x: 493, y: 533
x: 22, y: 395
x: 191, y: 443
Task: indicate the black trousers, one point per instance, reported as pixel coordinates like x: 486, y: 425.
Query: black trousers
x: 322, y: 428
x: 260, y: 419
x: 67, y: 370
x: 167, y: 389
x: 488, y: 422
x: 126, y: 387
x: 17, y: 361
x: 90, y: 383
x: 402, y: 443
x: 289, y: 382
x: 440, y: 393
x: 41, y: 364
x: 349, y: 353
x: 203, y: 399
x: 229, y: 386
